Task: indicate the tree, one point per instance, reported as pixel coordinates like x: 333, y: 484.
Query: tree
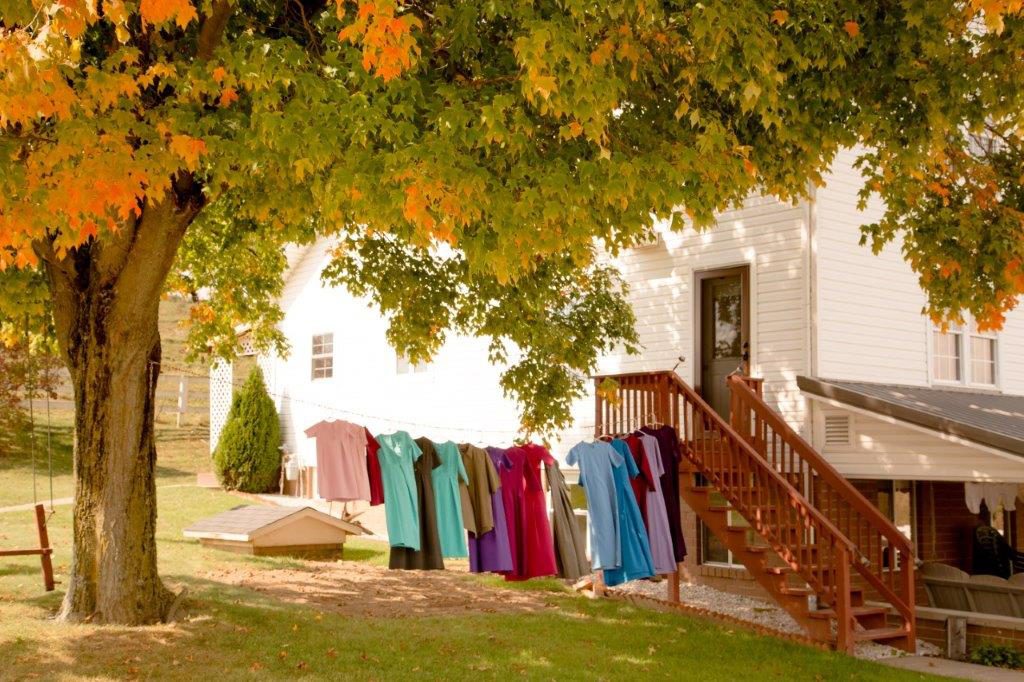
x: 469, y: 159
x: 247, y: 456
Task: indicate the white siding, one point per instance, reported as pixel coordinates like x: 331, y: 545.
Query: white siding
x: 457, y: 398
x: 880, y: 449
x: 765, y: 234
x: 870, y: 326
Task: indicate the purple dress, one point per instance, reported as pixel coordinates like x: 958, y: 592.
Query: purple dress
x: 491, y: 551
x: 658, y: 529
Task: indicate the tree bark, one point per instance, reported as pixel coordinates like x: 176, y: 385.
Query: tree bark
x: 106, y: 297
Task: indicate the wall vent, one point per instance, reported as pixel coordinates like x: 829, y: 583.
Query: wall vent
x: 837, y: 429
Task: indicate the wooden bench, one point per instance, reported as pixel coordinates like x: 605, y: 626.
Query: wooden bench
x: 950, y: 588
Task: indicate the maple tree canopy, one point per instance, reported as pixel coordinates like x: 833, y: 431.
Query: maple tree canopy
x: 472, y: 158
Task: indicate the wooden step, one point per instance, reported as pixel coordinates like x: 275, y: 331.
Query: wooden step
x: 879, y: 634
x: 856, y: 612
x: 783, y: 570
x: 795, y: 591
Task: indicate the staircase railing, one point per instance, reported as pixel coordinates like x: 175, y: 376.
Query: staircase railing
x: 884, y: 556
x: 808, y: 541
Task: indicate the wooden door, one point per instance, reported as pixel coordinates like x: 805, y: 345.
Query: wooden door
x: 723, y: 332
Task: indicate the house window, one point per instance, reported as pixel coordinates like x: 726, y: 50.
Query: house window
x: 964, y: 355
x: 712, y: 550
x: 403, y: 365
x: 323, y: 356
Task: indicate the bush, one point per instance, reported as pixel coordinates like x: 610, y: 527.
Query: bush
x: 247, y: 456
x: 998, y: 656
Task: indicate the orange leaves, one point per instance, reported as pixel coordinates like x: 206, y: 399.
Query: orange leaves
x: 438, y: 208
x: 852, y: 28
x: 603, y: 53
x: 189, y: 149
x: 995, y: 11
x: 160, y: 11
x: 780, y: 16
x: 388, y: 45
x: 227, y: 97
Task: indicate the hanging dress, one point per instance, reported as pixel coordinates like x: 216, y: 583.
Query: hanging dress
x: 397, y: 455
x: 490, y: 551
x: 537, y: 547
x: 643, y: 483
x: 340, y: 460
x: 513, y: 493
x: 448, y: 500
x: 596, y: 462
x: 668, y: 443
x: 481, y: 483
x: 636, y: 548
x: 428, y: 557
x: 658, y: 530
x: 373, y: 470
x: 570, y: 545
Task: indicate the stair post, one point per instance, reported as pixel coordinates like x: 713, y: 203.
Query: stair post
x: 843, y: 606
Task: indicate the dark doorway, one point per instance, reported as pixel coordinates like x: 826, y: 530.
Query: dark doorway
x: 723, y: 332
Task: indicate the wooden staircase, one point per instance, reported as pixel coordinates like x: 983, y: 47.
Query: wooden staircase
x: 806, y: 557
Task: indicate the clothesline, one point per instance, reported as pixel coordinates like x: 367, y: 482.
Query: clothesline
x: 585, y: 428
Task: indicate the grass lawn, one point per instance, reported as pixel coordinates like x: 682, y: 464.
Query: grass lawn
x: 237, y: 633
x: 181, y: 453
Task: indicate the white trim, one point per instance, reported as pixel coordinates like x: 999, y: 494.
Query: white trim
x: 307, y: 512
x: 916, y: 427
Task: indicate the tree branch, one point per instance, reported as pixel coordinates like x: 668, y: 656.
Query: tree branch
x: 212, y: 30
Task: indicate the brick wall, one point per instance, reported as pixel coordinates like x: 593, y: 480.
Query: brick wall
x: 931, y: 627
x: 944, y: 524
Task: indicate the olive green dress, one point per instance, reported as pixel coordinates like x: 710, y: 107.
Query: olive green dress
x: 483, y: 480
x: 570, y: 545
x: 429, y: 554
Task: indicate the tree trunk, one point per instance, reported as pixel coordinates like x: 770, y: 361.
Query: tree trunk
x: 106, y: 297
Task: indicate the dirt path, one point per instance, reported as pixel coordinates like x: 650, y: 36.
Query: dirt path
x: 359, y: 589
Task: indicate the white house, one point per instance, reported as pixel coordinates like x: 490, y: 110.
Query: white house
x: 906, y: 412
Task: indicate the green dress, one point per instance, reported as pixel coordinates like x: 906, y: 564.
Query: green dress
x: 398, y: 452
x: 428, y: 556
x: 448, y: 500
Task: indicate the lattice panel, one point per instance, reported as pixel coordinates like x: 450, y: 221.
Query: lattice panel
x: 221, y: 375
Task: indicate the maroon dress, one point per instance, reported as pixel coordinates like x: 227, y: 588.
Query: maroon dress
x: 373, y: 470
x: 645, y: 480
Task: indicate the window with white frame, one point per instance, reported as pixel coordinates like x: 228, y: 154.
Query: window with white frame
x: 962, y: 354
x: 323, y: 356
x: 403, y: 365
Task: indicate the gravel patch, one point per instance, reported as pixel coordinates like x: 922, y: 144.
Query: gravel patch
x: 756, y: 611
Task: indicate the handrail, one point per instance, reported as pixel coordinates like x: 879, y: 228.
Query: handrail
x: 804, y: 537
x: 859, y: 520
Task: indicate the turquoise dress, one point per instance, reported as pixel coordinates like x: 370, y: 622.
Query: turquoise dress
x: 398, y: 451
x: 448, y: 499
x: 637, y: 561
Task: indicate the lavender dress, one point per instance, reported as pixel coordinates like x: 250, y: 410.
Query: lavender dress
x: 658, y: 529
x: 491, y: 551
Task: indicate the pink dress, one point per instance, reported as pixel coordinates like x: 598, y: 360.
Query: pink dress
x: 340, y: 460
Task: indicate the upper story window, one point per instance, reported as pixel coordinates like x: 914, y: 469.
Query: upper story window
x: 964, y: 355
x: 403, y: 365
x: 323, y: 356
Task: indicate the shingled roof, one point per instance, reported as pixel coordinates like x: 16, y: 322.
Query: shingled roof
x: 248, y: 521
x: 988, y: 418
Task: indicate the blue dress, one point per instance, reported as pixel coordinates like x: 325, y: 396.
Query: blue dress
x: 637, y: 561
x: 596, y: 462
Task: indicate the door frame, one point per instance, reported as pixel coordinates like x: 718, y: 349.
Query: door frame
x: 744, y: 271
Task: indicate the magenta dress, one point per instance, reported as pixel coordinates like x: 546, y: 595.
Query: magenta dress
x: 533, y: 551
x: 491, y: 551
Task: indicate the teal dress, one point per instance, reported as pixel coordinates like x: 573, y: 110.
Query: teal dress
x: 637, y: 561
x: 398, y: 451
x: 448, y: 500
